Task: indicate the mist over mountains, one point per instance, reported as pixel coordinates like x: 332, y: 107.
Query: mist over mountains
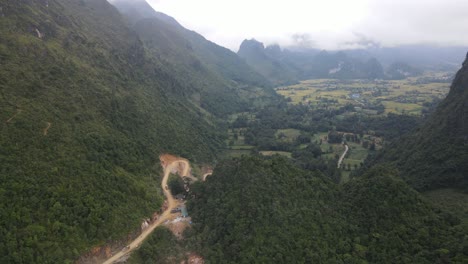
x: 92, y: 93
x: 299, y: 63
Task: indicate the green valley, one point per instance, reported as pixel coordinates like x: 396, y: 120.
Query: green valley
x: 126, y: 137
x: 409, y: 96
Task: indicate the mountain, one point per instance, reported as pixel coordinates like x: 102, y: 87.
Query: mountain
x: 86, y: 108
x: 286, y: 66
x: 436, y: 154
x: 339, y: 65
x: 426, y: 57
x: 266, y: 210
x: 401, y: 70
x: 399, y: 61
x: 214, y: 77
x: 267, y: 62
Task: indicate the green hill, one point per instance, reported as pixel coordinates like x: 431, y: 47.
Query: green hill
x: 89, y: 98
x: 254, y: 210
x: 86, y: 108
x: 214, y: 77
x: 436, y: 154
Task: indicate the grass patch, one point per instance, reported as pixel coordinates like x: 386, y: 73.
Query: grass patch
x: 288, y: 135
x: 401, y: 108
x: 242, y: 147
x: 271, y: 153
x: 235, y: 153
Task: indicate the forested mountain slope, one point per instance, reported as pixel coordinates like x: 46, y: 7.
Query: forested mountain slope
x: 85, y: 110
x: 259, y: 210
x: 436, y: 155
x: 214, y: 77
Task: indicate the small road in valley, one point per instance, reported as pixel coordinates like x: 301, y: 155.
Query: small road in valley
x: 342, y: 156
x: 171, y: 202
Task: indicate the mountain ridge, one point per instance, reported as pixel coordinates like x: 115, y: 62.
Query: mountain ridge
x: 211, y: 72
x: 261, y: 59
x: 77, y: 70
x: 435, y: 155
x: 289, y: 66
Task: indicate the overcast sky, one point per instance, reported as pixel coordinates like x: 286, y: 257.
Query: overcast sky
x: 325, y: 24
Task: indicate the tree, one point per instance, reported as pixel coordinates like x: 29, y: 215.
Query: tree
x: 335, y: 137
x: 365, y: 144
x: 176, y: 184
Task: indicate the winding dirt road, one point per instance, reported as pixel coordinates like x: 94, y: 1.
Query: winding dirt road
x: 342, y: 156
x: 47, y: 128
x: 171, y: 202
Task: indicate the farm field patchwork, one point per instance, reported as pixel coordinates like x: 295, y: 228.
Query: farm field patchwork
x: 396, y: 96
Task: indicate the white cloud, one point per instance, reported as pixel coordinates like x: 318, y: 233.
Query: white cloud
x: 329, y: 23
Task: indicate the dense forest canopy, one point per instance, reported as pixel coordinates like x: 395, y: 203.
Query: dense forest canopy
x: 254, y: 209
x: 86, y: 108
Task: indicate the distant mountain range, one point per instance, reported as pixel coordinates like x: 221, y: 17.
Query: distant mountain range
x: 288, y: 65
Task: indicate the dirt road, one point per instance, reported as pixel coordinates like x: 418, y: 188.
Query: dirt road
x: 168, y: 168
x: 11, y: 118
x: 47, y: 128
x: 342, y: 156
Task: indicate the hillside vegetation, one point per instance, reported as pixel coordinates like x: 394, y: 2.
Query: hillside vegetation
x: 90, y: 97
x: 436, y: 154
x: 86, y: 108
x: 254, y: 210
x: 214, y: 77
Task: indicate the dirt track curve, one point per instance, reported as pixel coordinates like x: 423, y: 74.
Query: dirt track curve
x: 342, y: 156
x: 171, y: 202
x: 206, y: 175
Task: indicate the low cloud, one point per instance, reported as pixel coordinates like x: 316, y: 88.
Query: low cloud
x: 360, y: 41
x: 303, y: 40
x: 324, y: 24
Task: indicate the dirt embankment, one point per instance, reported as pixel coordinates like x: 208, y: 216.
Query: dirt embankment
x: 206, y: 175
x: 206, y: 171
